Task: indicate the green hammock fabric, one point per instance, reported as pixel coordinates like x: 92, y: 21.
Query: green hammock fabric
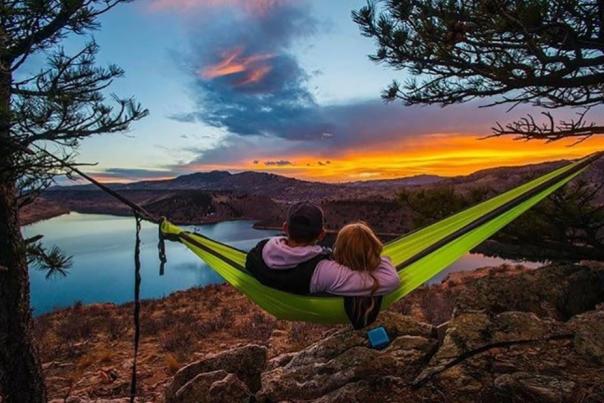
x: 419, y: 255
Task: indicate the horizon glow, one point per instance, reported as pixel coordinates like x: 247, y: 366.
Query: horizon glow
x: 286, y: 87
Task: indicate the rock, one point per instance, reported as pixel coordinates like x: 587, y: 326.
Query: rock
x: 280, y: 360
x: 477, y: 348
x: 589, y: 335
x: 246, y: 363
x: 532, y: 388
x: 78, y: 399
x: 214, y: 386
x: 555, y: 291
x: 229, y: 389
x: 197, y: 388
x: 385, y: 389
x: 328, y: 368
x: 473, y: 332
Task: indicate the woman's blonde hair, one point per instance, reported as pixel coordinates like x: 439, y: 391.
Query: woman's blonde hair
x: 358, y: 248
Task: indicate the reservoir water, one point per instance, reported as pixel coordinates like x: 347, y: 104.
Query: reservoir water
x: 102, y: 250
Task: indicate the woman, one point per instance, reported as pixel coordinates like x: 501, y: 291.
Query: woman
x: 358, y: 269
x: 363, y: 272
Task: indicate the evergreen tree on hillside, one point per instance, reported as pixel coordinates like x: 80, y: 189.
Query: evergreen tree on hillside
x: 54, y: 109
x: 545, y: 53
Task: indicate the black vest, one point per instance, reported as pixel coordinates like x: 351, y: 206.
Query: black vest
x: 295, y: 280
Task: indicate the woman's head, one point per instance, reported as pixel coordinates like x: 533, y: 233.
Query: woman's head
x: 358, y: 248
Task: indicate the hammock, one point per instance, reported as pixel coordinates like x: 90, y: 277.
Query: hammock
x: 418, y: 256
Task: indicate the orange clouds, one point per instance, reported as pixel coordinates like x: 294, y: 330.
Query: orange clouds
x: 446, y: 155
x: 247, y: 69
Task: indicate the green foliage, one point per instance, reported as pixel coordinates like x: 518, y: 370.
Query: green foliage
x: 54, y: 262
x: 546, y: 53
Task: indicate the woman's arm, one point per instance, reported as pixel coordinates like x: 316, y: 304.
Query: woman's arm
x: 334, y: 278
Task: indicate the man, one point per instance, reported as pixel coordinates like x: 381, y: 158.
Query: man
x: 295, y: 263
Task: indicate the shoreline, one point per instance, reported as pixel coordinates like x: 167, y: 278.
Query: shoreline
x: 32, y: 218
x: 27, y: 217
x: 257, y: 224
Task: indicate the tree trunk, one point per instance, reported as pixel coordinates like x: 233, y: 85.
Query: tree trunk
x: 20, y: 370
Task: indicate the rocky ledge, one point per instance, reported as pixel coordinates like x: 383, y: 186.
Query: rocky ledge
x: 526, y: 336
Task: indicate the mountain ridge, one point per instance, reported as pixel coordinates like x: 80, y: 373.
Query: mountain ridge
x: 225, y: 180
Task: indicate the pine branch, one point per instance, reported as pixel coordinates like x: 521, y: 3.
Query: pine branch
x: 527, y: 128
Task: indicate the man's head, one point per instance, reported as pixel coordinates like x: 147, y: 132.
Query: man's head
x: 304, y: 223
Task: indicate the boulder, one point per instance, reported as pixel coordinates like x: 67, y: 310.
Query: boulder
x: 246, y: 363
x: 474, y: 332
x: 78, y: 399
x: 589, y: 335
x: 557, y: 291
x: 342, y: 366
x: 532, y: 388
x: 197, y: 388
x: 477, y: 355
x: 212, y: 387
x: 229, y: 389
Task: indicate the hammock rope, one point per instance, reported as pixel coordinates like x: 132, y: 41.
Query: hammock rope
x: 137, y: 305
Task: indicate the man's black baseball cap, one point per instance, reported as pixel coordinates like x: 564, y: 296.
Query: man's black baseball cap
x: 305, y: 222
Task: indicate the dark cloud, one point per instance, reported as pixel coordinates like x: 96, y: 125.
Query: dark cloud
x: 279, y: 163
x: 364, y: 125
x: 246, y: 78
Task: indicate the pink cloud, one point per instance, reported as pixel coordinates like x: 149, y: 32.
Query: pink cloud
x: 248, y: 69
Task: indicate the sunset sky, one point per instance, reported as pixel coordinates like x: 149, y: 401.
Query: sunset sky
x: 283, y: 86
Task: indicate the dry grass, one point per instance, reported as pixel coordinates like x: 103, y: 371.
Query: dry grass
x: 172, y: 364
x: 84, y: 341
x: 102, y: 356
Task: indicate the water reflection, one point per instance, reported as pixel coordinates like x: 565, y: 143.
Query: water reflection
x: 102, y: 250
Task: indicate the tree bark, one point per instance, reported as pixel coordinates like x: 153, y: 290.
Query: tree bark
x: 20, y: 369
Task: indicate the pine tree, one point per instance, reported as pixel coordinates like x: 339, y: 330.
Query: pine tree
x: 549, y: 54
x: 54, y: 109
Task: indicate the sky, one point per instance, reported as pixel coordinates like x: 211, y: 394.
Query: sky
x: 283, y: 86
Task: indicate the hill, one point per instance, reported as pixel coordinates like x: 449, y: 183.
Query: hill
x: 283, y: 188
x: 262, y: 183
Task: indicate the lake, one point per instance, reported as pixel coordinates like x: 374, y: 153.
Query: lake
x: 102, y: 247
x: 102, y: 251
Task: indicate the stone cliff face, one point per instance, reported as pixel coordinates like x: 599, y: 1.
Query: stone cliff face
x: 510, y: 335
